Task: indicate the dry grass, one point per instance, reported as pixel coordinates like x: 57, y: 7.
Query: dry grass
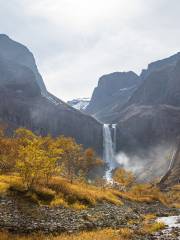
x: 79, y: 195
x: 85, y: 194
x: 173, y: 196
x: 150, y: 228
x: 149, y: 217
x: 8, y: 180
x: 106, y: 234
x: 15, y: 179
x: 145, y: 193
x: 60, y: 192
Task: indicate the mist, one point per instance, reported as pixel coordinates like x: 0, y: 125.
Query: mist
x: 153, y: 165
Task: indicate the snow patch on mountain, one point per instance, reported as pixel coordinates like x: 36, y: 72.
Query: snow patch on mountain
x: 79, y: 103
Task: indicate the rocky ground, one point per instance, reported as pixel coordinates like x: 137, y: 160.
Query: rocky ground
x: 19, y: 216
x: 173, y: 234
x: 172, y: 230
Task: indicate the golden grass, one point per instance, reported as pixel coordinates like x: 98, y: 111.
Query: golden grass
x: 8, y: 180
x: 144, y: 193
x: 3, y: 187
x: 61, y: 192
x: 83, y: 193
x: 176, y: 187
x: 149, y: 217
x: 105, y: 234
x: 150, y: 228
x: 15, y: 179
x: 80, y: 195
x: 173, y: 196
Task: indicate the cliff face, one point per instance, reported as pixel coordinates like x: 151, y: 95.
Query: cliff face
x: 160, y: 87
x: 172, y: 176
x: 146, y: 110
x: 112, y: 89
x: 160, y: 64
x: 152, y: 113
x: 25, y: 102
x: 151, y: 118
x: 18, y: 53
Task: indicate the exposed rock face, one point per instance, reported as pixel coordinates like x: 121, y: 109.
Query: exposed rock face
x: 112, y: 90
x: 153, y: 112
x: 16, y: 52
x: 160, y: 87
x: 24, y: 102
x: 141, y: 127
x: 151, y: 117
x: 172, y: 176
x: 147, y: 115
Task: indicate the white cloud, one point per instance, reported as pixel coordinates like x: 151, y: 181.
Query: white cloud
x: 75, y: 42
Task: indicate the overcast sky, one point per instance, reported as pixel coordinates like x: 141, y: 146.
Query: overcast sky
x: 76, y: 41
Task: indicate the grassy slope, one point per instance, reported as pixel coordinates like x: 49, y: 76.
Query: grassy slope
x: 81, y: 195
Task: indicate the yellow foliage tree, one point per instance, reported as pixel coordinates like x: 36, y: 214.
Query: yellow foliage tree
x: 37, y: 158
x: 89, y: 161
x: 8, y: 152
x: 77, y: 162
x: 72, y: 152
x: 123, y: 177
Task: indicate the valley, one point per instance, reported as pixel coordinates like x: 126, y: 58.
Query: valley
x: 106, y: 169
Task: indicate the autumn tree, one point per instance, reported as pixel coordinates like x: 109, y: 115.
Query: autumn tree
x: 37, y: 158
x: 8, y: 152
x: 89, y: 161
x: 123, y: 177
x: 77, y: 162
x: 24, y: 136
x: 72, y: 152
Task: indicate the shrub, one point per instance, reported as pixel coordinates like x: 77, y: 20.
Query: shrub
x: 123, y: 177
x: 153, y: 227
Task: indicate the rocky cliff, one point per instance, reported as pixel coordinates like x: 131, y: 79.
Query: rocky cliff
x: 112, y: 90
x: 153, y: 111
x: 146, y: 110
x: 151, y: 117
x: 25, y: 102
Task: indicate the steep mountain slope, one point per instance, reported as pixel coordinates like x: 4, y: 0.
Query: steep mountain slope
x: 112, y: 90
x: 147, y: 115
x: 172, y: 176
x: 24, y: 102
x: 151, y: 117
x: 14, y: 51
x: 160, y: 87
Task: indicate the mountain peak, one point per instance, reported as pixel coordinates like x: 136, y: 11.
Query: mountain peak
x: 17, y: 52
x: 4, y: 36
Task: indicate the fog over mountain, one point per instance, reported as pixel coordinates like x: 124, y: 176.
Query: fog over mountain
x: 146, y: 111
x: 25, y: 101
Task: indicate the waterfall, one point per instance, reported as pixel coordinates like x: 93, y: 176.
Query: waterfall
x: 108, y: 149
x: 114, y: 138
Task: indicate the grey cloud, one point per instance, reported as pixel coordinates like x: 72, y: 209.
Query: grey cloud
x: 75, y: 42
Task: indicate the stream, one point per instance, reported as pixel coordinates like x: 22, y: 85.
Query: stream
x: 172, y: 230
